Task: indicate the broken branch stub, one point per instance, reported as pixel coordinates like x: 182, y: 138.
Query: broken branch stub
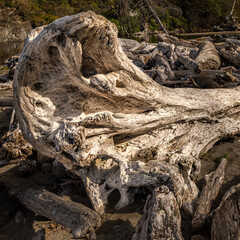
x: 80, y: 100
x: 226, y: 220
x: 161, y: 218
x: 213, y: 183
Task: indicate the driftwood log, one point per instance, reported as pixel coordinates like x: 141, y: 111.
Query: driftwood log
x: 80, y: 100
x: 213, y: 183
x: 5, y: 101
x: 161, y: 218
x: 208, y: 56
x: 78, y: 218
x: 226, y: 220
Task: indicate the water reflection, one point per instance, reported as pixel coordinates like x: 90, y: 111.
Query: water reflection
x: 8, y: 49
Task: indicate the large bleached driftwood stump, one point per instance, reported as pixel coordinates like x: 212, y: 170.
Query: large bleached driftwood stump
x: 80, y: 100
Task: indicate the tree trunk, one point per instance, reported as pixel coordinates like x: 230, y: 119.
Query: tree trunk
x: 155, y: 16
x: 208, y: 56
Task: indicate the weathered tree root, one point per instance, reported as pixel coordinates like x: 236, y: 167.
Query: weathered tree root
x: 80, y: 100
x: 78, y: 218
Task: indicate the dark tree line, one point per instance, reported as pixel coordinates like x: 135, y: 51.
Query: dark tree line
x: 131, y: 15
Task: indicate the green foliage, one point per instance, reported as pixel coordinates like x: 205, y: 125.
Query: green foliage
x: 129, y: 15
x: 5, y: 68
x: 218, y: 159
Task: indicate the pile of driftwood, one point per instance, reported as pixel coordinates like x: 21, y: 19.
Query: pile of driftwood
x: 83, y: 104
x: 195, y: 63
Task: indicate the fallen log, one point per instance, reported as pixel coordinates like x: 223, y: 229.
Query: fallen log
x: 6, y: 102
x: 226, y: 220
x: 75, y: 216
x: 213, y: 183
x: 161, y: 217
x: 232, y: 40
x: 208, y: 56
x: 183, y: 73
x: 189, y: 63
x: 230, y: 53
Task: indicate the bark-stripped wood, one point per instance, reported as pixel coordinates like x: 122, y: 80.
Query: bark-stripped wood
x: 161, y: 218
x: 213, y: 183
x: 6, y: 102
x: 208, y: 56
x: 6, y: 86
x: 226, y: 220
x: 14, y: 146
x: 189, y: 63
x: 230, y: 53
x: 80, y: 219
x: 80, y: 100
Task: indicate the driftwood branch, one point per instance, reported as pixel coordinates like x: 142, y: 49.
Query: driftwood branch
x: 80, y: 219
x: 6, y: 102
x: 213, y: 183
x: 233, y: 7
x: 226, y: 220
x: 161, y: 218
x: 5, y: 86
